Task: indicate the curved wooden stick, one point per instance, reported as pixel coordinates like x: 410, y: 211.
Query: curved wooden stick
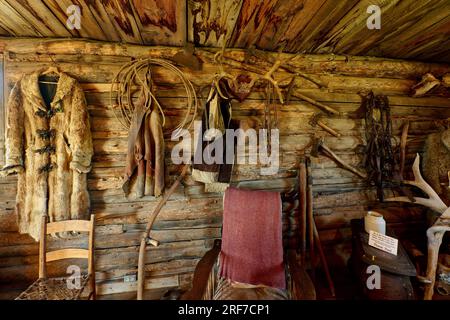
x: 145, y: 236
x: 403, y: 141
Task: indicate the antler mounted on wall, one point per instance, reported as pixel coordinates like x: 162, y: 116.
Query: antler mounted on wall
x: 436, y: 232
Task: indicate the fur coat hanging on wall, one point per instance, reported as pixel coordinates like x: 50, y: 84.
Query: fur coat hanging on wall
x: 49, y: 146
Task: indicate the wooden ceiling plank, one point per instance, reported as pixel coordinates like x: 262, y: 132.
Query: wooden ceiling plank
x: 40, y: 17
x: 426, y: 46
x: 15, y: 23
x: 89, y: 26
x: 122, y: 15
x: 287, y: 22
x: 442, y: 57
x: 211, y: 22
x: 251, y: 21
x: 398, y: 25
x: 61, y: 15
x: 347, y: 33
x: 3, y: 32
x: 161, y: 22
x: 103, y: 20
x: 439, y: 54
x: 409, y: 38
x: 427, y: 43
x: 322, y: 22
x: 4, y: 26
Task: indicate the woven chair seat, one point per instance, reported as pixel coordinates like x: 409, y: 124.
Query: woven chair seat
x: 54, y: 289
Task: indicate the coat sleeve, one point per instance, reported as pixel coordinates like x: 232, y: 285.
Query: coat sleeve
x: 80, y: 138
x: 14, y: 142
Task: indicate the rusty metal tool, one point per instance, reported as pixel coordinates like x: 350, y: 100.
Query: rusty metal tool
x: 318, y: 144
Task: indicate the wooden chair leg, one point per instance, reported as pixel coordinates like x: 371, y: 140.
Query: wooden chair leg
x: 93, y: 294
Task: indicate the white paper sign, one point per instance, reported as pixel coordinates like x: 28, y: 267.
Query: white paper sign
x: 383, y: 242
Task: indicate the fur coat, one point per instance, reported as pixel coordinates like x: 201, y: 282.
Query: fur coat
x: 50, y: 148
x: 436, y: 163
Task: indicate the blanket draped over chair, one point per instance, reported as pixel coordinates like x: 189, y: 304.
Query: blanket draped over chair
x: 252, y: 248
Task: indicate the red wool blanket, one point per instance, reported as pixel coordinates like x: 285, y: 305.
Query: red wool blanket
x: 252, y: 244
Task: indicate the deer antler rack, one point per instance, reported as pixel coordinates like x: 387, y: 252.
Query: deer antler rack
x: 436, y: 232
x: 433, y: 202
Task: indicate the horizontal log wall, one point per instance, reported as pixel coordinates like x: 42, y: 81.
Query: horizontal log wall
x: 191, y: 220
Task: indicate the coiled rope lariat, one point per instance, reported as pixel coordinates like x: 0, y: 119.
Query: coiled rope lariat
x: 129, y: 78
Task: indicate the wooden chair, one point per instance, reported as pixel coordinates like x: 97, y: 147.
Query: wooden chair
x: 206, y: 281
x: 208, y: 285
x: 57, y: 288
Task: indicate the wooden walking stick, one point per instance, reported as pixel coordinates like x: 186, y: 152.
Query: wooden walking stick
x: 324, y: 260
x: 302, y: 182
x: 310, y: 214
x: 314, y: 234
x: 146, y: 236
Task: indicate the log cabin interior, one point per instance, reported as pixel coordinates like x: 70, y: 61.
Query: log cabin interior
x: 340, y: 110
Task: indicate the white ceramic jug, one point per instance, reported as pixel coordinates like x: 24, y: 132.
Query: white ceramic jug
x: 374, y: 221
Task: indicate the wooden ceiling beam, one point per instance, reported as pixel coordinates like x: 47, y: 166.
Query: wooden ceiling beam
x: 308, y: 63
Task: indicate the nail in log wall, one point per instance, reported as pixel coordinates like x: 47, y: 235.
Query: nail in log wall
x: 191, y: 220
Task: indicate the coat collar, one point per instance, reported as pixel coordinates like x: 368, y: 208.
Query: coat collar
x: 30, y: 88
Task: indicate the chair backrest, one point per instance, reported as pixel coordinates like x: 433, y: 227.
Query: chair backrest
x: 68, y: 253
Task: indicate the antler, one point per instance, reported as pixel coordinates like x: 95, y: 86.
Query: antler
x: 436, y: 232
x: 433, y: 202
